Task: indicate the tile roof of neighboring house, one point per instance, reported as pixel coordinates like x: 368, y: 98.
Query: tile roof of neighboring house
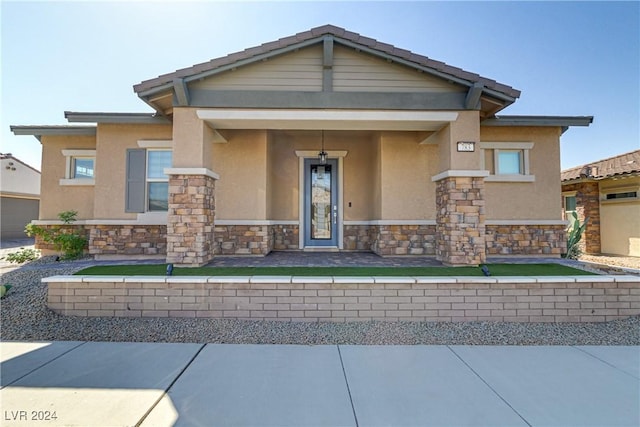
x: 619, y: 165
x: 316, y: 33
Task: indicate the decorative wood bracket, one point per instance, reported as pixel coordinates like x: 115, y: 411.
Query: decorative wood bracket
x: 472, y: 101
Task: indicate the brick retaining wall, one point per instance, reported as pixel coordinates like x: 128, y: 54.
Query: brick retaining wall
x: 520, y: 299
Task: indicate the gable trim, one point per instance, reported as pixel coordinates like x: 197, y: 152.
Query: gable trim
x: 314, y: 36
x: 195, y: 75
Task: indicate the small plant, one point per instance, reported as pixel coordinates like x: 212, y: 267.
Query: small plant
x: 574, y: 236
x: 70, y: 243
x: 4, y: 289
x: 22, y: 256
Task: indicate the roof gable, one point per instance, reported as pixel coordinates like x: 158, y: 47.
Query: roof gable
x: 326, y: 37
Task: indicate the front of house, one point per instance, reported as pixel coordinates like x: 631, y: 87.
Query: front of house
x: 414, y: 160
x: 606, y: 194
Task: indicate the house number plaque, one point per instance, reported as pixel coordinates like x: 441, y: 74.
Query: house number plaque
x: 467, y: 146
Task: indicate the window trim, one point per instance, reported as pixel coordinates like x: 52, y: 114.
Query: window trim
x: 70, y: 156
x: 522, y: 147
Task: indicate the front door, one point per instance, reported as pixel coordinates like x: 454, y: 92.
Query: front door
x: 320, y: 203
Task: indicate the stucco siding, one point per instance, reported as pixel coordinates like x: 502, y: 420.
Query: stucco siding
x: 55, y: 198
x: 241, y: 191
x: 620, y: 227
x: 620, y: 219
x: 298, y: 71
x: 527, y: 200
x: 360, y: 168
x: 361, y: 72
x: 112, y: 143
x: 18, y: 179
x: 406, y: 169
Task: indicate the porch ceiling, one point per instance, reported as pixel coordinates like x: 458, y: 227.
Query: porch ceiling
x: 327, y: 119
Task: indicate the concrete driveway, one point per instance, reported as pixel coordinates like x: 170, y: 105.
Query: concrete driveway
x: 149, y: 384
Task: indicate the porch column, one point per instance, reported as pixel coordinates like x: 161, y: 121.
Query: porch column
x: 460, y: 204
x: 190, y: 219
x: 460, y: 220
x: 588, y: 206
x: 191, y: 212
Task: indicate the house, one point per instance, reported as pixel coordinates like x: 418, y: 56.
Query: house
x: 19, y: 196
x: 322, y: 141
x: 607, y: 193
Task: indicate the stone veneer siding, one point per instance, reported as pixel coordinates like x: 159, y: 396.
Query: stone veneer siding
x: 549, y: 240
x: 68, y: 228
x: 588, y: 206
x: 522, y: 299
x: 359, y: 237
x: 406, y: 240
x: 128, y: 239
x: 190, y: 219
x: 285, y: 237
x: 242, y: 240
x: 460, y: 216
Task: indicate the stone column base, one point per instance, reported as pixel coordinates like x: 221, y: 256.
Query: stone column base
x: 460, y: 229
x: 190, y: 220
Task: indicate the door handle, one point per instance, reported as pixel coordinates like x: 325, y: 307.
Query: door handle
x: 335, y: 218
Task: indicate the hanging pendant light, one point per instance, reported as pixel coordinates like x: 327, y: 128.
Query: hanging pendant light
x: 322, y: 155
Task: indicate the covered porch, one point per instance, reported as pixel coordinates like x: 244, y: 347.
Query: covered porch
x: 246, y: 182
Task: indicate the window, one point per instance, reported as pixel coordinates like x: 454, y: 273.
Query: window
x: 147, y: 187
x: 569, y: 205
x: 80, y: 167
x: 157, y: 181
x: 625, y: 195
x: 506, y: 161
x: 509, y: 162
x: 620, y: 194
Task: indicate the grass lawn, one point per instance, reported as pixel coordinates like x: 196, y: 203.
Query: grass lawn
x: 495, y: 269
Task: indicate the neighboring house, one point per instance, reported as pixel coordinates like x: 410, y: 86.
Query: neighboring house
x: 417, y: 162
x: 19, y: 196
x: 607, y: 192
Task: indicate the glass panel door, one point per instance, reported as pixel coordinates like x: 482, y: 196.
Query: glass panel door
x: 321, y: 212
x: 321, y: 203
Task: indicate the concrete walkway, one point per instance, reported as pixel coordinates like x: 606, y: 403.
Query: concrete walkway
x: 149, y: 384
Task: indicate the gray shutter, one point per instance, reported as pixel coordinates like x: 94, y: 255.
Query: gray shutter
x: 136, y: 170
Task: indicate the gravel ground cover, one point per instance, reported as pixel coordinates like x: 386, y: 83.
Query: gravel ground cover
x: 613, y: 260
x: 25, y: 317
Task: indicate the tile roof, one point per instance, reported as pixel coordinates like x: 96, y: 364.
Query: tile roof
x: 622, y: 164
x: 338, y: 33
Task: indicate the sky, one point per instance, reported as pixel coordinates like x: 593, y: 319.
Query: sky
x: 567, y: 58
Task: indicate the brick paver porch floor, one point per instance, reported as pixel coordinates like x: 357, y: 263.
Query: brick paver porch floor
x: 323, y: 259
x: 354, y: 259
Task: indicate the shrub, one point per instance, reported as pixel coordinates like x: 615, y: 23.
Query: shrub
x: 69, y: 242
x: 4, y: 289
x: 22, y: 256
